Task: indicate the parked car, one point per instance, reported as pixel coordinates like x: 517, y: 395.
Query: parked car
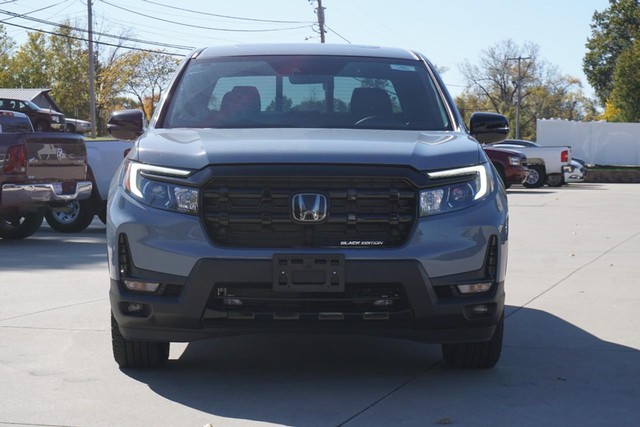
x: 577, y: 173
x: 511, y: 165
x: 38, y: 171
x: 77, y: 125
x: 546, y: 164
x: 43, y: 120
x: 276, y: 190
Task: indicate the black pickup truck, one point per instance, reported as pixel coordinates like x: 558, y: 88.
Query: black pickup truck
x: 37, y: 170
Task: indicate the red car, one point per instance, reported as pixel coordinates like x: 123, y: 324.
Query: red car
x: 511, y: 165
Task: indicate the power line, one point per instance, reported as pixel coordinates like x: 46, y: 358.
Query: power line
x: 202, y: 27
x: 82, y: 30
x: 227, y: 16
x: 336, y: 33
x: 95, y: 42
x: 155, y: 32
x: 30, y: 12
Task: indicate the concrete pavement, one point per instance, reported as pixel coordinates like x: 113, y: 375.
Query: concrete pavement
x: 571, y: 354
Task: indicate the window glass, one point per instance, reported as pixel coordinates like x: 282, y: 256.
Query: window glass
x: 307, y: 91
x: 10, y: 124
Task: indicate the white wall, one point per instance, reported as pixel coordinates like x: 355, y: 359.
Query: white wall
x: 598, y: 143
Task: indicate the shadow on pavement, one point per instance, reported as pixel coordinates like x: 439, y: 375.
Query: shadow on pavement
x: 551, y: 373
x: 49, y: 249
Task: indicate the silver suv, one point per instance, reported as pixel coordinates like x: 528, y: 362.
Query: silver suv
x: 307, y: 189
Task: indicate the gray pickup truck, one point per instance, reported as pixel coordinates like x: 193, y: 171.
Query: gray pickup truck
x: 38, y: 171
x: 307, y: 189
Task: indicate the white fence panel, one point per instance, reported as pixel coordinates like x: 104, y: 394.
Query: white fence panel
x: 599, y: 143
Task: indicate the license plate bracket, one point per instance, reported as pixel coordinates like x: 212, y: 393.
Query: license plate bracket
x: 308, y: 273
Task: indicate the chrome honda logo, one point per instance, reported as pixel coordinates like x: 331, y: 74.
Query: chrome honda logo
x: 309, y: 207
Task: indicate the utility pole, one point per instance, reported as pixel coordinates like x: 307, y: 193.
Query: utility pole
x: 320, y: 13
x: 519, y: 99
x: 92, y: 86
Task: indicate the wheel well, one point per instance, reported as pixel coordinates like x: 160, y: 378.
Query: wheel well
x: 96, y: 200
x: 534, y: 161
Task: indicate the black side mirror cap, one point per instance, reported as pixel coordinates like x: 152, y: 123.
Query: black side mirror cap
x: 489, y: 127
x: 126, y: 125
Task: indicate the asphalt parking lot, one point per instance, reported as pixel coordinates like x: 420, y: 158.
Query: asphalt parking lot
x: 571, y: 355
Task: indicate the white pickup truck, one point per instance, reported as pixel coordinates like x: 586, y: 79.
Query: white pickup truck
x: 546, y: 164
x: 103, y: 157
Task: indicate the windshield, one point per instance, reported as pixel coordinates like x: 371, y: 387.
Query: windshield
x: 306, y: 91
x: 31, y: 106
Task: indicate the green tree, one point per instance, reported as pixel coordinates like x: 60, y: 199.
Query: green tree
x: 6, y: 50
x: 625, y: 96
x: 30, y: 64
x: 67, y: 70
x: 145, y: 75
x: 492, y: 85
x: 612, y: 32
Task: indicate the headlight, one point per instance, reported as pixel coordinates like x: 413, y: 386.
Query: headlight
x: 514, y: 161
x: 55, y: 119
x: 159, y: 194
x: 470, y: 185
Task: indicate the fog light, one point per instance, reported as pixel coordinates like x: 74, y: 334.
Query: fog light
x: 134, y: 307
x: 480, y: 309
x: 232, y: 301
x: 135, y: 285
x: 474, y: 288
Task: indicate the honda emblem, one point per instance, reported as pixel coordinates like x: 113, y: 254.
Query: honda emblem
x: 309, y: 207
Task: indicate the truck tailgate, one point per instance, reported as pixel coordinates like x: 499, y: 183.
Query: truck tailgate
x: 55, y: 156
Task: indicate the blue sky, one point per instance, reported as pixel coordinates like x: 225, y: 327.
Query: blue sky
x: 448, y: 32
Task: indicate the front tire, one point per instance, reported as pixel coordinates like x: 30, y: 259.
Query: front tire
x: 20, y: 226
x: 76, y: 217
x: 536, y: 178
x: 555, y: 180
x: 475, y: 355
x: 137, y: 354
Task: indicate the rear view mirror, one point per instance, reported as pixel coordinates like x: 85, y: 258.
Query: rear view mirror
x: 489, y: 127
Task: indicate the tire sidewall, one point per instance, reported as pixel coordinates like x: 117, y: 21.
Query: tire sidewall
x: 536, y: 171
x: 28, y: 227
x: 81, y: 221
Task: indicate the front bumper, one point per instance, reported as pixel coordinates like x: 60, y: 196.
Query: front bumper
x: 516, y: 174
x: 426, y: 312
x: 16, y: 195
x: 175, y: 251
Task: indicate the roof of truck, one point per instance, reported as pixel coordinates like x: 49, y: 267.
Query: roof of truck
x: 307, y: 49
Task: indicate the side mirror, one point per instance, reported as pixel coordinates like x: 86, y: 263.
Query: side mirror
x: 489, y: 127
x: 126, y: 125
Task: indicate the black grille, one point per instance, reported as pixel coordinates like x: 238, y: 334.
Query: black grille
x: 256, y: 211
x: 124, y: 256
x: 358, y: 302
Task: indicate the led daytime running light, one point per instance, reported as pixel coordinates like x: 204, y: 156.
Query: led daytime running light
x: 479, y: 170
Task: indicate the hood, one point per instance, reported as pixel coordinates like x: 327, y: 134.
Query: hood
x: 48, y: 111
x: 195, y: 149
x: 505, y: 150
